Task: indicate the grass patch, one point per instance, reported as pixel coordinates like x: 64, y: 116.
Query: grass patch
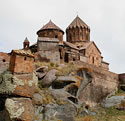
x: 105, y: 114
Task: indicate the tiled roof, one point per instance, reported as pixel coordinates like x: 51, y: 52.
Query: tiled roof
x: 87, y: 44
x: 23, y: 52
x: 78, y: 22
x: 50, y: 25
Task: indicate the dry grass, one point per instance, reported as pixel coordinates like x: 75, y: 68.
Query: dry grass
x: 104, y: 114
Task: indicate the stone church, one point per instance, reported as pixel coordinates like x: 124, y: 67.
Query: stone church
x: 50, y: 46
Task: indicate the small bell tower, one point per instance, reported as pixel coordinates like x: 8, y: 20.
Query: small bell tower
x: 26, y: 44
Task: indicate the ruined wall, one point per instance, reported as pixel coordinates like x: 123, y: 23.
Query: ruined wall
x: 5, y: 57
x: 4, y: 61
x: 103, y: 84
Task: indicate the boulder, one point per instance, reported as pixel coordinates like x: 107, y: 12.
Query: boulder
x: 38, y: 116
x: 20, y: 109
x: 11, y: 85
x: 42, y: 69
x: 113, y: 101
x: 41, y: 75
x: 64, y: 112
x: 49, y: 78
x: 37, y: 99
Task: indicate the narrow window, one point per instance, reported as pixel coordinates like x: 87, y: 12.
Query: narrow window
x: 56, y: 36
x: 25, y: 58
x: 60, y: 53
x: 93, y: 60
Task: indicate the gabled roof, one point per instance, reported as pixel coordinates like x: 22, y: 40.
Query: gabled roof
x: 86, y: 45
x: 71, y: 45
x: 23, y: 52
x: 78, y: 22
x: 50, y: 25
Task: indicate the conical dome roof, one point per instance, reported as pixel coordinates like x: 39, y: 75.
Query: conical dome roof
x: 26, y: 40
x: 78, y: 22
x: 50, y: 25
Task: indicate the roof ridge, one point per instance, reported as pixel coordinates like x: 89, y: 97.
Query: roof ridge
x: 51, y: 25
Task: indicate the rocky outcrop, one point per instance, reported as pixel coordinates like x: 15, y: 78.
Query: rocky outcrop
x: 113, y: 101
x: 20, y: 108
x: 11, y: 85
x: 49, y: 78
x: 60, y: 97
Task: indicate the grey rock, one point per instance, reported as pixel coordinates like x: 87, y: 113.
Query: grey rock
x: 49, y: 78
x: 87, y: 78
x: 38, y: 113
x: 37, y: 99
x: 61, y: 112
x: 42, y: 69
x: 41, y: 75
x: 59, y: 93
x: 113, y: 101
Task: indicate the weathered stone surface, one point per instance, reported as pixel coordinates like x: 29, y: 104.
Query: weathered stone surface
x: 113, y: 101
x: 38, y: 116
x: 42, y: 69
x: 87, y: 78
x: 60, y: 112
x: 49, y: 78
x: 4, y: 116
x: 37, y: 99
x: 103, y: 83
x: 11, y: 85
x: 41, y: 75
x: 59, y: 93
x: 20, y: 109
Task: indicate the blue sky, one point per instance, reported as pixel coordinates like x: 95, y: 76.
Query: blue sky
x: 23, y: 18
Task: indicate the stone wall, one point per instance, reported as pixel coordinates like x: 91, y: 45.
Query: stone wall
x: 94, y: 56
x: 48, y: 50
x: 51, y: 34
x: 5, y: 57
x: 21, y: 64
x: 75, y: 35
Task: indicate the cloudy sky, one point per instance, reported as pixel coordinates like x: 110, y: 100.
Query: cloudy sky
x: 106, y: 18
